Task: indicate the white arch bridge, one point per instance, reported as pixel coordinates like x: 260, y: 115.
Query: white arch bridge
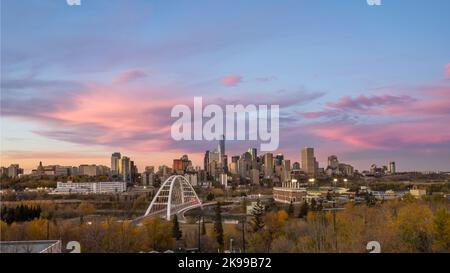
x: 175, y: 195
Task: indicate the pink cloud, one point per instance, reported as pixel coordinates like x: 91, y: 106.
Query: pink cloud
x: 394, y: 122
x: 231, y: 80
x: 429, y: 101
x: 129, y: 76
x: 391, y: 136
x: 363, y: 102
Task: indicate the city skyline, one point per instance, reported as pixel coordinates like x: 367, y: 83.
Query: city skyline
x: 75, y: 90
x: 307, y: 154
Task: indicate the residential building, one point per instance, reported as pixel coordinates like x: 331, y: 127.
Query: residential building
x: 115, y: 161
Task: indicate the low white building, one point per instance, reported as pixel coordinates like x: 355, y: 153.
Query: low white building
x: 90, y: 187
x: 417, y: 193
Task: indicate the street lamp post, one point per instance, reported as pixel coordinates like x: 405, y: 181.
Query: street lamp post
x: 243, y: 225
x: 243, y: 232
x: 334, y: 214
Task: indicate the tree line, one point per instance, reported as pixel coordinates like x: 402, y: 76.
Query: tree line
x: 20, y: 213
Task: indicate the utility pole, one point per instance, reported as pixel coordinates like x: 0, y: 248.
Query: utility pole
x: 334, y: 209
x: 334, y: 225
x: 199, y: 232
x: 48, y: 229
x: 334, y: 217
x: 243, y: 233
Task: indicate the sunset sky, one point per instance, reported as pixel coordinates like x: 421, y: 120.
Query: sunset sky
x: 370, y: 84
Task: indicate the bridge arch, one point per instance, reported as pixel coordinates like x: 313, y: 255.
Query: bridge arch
x: 175, y: 194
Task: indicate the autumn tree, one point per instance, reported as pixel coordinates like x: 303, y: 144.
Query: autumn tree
x: 159, y: 235
x: 414, y: 224
x: 274, y: 222
x: 86, y: 208
x: 441, y: 231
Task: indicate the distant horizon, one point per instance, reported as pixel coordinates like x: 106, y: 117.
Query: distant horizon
x: 370, y: 84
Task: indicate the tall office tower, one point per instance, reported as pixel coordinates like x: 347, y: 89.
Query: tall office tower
x: 252, y: 151
x: 178, y: 166
x: 206, y: 161
x: 234, y: 168
x: 279, y: 159
x: 287, y: 165
x: 115, y: 158
x: 333, y: 162
x: 234, y: 159
x: 125, y: 168
x: 392, y: 167
x: 245, y: 164
x: 221, y: 149
x: 286, y: 170
x: 133, y: 171
x: 225, y: 163
x: 268, y: 165
x: 309, y: 161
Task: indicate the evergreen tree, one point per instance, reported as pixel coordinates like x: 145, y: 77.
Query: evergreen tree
x: 291, y: 208
x: 21, y: 213
x: 3, y: 213
x: 320, y: 206
x: 11, y: 216
x: 210, y: 196
x: 271, y: 205
x: 257, y: 222
x: 329, y: 197
x: 370, y: 200
x: 218, y: 228
x: 176, y: 232
x: 304, y: 210
x: 203, y: 232
x: 313, y: 204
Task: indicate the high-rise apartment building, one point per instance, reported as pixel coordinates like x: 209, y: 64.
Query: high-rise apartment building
x: 115, y: 159
x: 392, y: 167
x: 125, y: 168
